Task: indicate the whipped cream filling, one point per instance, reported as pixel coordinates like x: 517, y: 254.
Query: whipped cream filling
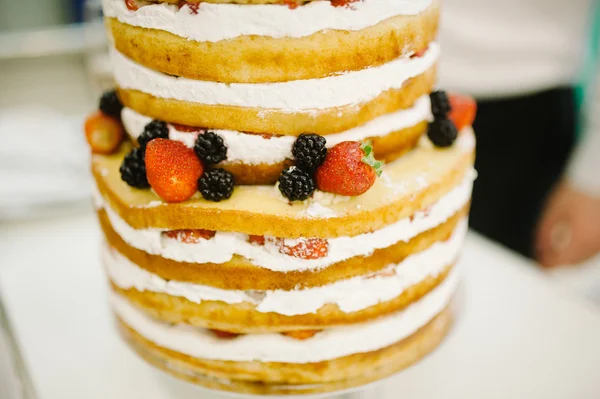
x: 215, y: 22
x: 294, y: 96
x: 254, y: 149
x: 326, y: 345
x: 224, y: 245
x: 349, y: 295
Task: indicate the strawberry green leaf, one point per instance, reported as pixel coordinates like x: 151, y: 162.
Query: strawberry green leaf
x: 369, y: 158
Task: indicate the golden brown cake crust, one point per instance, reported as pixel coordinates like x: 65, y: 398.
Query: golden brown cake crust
x: 274, y: 121
x: 244, y: 318
x: 240, y: 274
x: 258, y: 59
x: 270, y: 378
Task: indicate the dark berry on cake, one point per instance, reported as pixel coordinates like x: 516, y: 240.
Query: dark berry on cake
x: 440, y: 104
x: 133, y: 169
x: 210, y: 148
x: 309, y: 151
x: 442, y: 132
x: 110, y: 104
x: 216, y: 185
x: 153, y: 130
x: 296, y: 184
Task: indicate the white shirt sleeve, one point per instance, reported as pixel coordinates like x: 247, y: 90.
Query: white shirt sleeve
x: 584, y: 169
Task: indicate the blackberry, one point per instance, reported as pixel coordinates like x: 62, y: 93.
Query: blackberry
x: 309, y: 151
x: 133, y: 169
x: 210, y: 148
x: 296, y: 184
x: 442, y: 132
x: 216, y: 185
x: 110, y: 104
x: 153, y: 130
x: 440, y: 105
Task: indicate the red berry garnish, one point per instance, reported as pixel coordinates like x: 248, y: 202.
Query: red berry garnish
x: 184, y: 128
x: 349, y: 169
x: 103, y: 133
x: 464, y: 110
x: 259, y: 240
x: 173, y: 169
x: 342, y: 3
x: 225, y: 334
x: 292, y: 4
x: 190, y: 236
x: 303, y: 248
x: 132, y: 5
x: 191, y: 5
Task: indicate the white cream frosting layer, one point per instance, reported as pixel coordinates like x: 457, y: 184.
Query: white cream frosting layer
x: 224, y: 245
x: 215, y: 22
x: 350, y: 295
x: 326, y: 345
x: 254, y: 149
x: 293, y: 96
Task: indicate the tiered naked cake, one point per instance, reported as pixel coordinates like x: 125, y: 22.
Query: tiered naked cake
x: 253, y: 241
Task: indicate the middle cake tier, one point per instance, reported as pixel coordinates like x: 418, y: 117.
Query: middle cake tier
x: 257, y: 263
x: 324, y: 106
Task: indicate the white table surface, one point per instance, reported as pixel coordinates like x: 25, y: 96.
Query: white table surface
x: 518, y: 334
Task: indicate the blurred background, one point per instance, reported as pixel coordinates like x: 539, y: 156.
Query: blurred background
x: 52, y: 69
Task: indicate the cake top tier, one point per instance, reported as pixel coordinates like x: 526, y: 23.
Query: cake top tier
x: 258, y: 43
x: 214, y: 21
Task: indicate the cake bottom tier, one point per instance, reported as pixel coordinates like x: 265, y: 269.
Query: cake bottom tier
x: 331, y: 360
x: 290, y: 378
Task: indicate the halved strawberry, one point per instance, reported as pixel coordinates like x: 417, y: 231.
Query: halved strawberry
x: 131, y: 5
x: 193, y: 6
x: 303, y: 248
x: 301, y: 335
x: 173, y: 169
x: 259, y: 240
x: 190, y: 236
x: 464, y: 110
x: 103, y: 133
x: 225, y: 334
x: 292, y: 4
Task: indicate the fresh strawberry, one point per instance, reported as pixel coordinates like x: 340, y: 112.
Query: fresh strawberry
x: 349, y: 169
x: 173, y: 169
x: 464, y: 109
x: 303, y: 248
x: 190, y: 236
x: 132, y: 5
x: 259, y: 240
x: 103, y: 133
x: 225, y: 334
x: 301, y: 335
